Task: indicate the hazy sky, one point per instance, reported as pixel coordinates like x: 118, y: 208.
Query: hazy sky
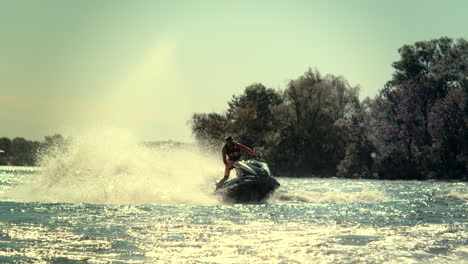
x: 147, y: 66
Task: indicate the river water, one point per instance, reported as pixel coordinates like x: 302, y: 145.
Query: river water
x: 305, y: 221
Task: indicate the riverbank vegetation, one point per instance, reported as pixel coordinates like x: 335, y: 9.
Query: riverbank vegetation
x: 22, y: 152
x: 416, y: 127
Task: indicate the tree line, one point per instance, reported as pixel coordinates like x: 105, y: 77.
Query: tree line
x: 416, y: 127
x: 22, y: 152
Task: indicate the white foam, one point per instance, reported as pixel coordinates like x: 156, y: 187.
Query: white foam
x: 112, y: 166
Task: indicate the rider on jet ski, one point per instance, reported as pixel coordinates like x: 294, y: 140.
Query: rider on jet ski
x: 233, y: 152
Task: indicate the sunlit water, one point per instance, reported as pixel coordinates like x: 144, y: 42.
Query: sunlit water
x: 108, y: 199
x: 307, y: 221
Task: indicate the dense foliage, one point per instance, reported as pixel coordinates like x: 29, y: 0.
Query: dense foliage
x: 419, y: 119
x: 415, y: 128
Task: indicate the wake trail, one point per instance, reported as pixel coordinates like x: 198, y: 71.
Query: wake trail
x: 307, y: 197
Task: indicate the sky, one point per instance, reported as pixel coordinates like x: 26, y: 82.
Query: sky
x: 147, y: 66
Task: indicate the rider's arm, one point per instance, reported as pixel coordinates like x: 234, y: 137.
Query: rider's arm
x: 246, y: 149
x: 223, y: 152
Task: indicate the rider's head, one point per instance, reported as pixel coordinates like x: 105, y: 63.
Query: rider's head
x: 229, y: 141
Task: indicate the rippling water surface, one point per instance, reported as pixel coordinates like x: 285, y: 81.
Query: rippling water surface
x: 306, y: 221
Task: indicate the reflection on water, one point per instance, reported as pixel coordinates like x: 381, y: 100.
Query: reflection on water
x: 308, y: 221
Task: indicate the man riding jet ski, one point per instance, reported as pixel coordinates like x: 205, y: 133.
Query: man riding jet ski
x: 254, y: 182
x: 231, y: 153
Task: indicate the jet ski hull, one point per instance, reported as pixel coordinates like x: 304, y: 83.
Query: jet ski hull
x: 248, y: 189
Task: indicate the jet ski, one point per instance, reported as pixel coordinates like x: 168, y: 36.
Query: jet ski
x: 253, y: 183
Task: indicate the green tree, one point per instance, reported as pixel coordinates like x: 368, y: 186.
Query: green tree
x: 5, y: 145
x: 23, y: 152
x: 358, y: 161
x: 252, y: 118
x: 316, y: 103
x: 209, y: 129
x: 426, y: 73
x: 446, y: 128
